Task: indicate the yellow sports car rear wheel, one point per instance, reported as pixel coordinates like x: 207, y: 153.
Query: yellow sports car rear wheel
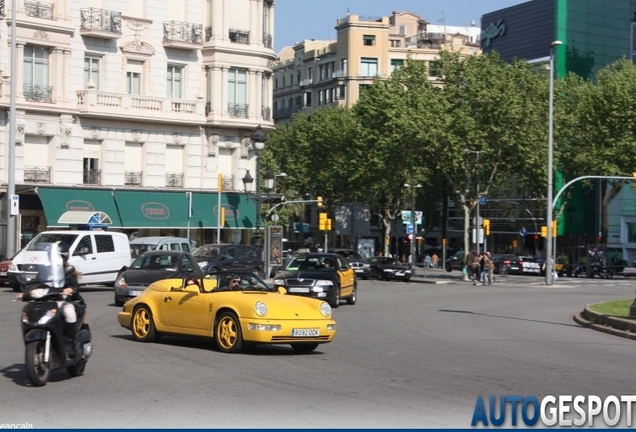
x: 143, y: 327
x: 228, y: 333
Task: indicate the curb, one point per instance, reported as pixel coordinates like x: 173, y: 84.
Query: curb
x: 606, y: 324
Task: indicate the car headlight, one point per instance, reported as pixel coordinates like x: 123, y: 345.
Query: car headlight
x: 260, y: 308
x: 324, y: 282
x: 121, y: 282
x: 203, y: 264
x: 407, y: 271
x: 13, y: 267
x: 325, y: 309
x: 388, y: 270
x: 279, y: 281
x: 38, y: 292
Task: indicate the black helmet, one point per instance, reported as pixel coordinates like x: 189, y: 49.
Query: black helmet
x: 63, y: 249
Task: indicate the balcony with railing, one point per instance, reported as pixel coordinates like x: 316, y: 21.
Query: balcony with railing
x: 267, y: 40
x: 240, y: 36
x: 183, y: 35
x: 237, y: 110
x: 100, y: 23
x: 37, y: 93
x: 92, y: 176
x: 3, y: 9
x: 39, y: 9
x: 133, y: 178
x: 35, y: 174
x: 174, y: 180
x: 149, y: 108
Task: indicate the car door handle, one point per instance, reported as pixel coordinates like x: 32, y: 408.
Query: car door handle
x: 167, y: 299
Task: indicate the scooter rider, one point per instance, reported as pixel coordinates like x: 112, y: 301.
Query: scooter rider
x: 70, y: 293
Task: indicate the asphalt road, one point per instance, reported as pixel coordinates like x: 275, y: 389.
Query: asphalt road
x: 406, y: 355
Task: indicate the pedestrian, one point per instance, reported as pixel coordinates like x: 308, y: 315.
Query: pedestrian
x: 435, y: 260
x: 489, y: 269
x: 475, y: 267
x: 482, y: 268
x: 468, y: 264
x: 427, y: 261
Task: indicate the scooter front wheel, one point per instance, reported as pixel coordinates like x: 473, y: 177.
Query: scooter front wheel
x: 37, y: 369
x: 77, y: 369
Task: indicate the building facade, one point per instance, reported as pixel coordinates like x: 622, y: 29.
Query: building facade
x: 314, y: 74
x: 139, y: 108
x: 594, y: 34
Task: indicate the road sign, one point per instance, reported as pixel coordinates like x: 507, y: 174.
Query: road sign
x: 406, y: 217
x: 483, y: 200
x: 523, y: 232
x: 409, y: 229
x: 410, y: 236
x: 275, y: 217
x: 478, y: 221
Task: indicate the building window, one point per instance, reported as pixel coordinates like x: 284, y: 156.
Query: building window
x: 284, y: 84
x: 321, y: 72
x: 433, y: 68
x: 395, y: 43
x: 308, y: 99
x: 91, y: 71
x: 343, y: 66
x: 174, y: 84
x: 321, y: 97
x: 133, y: 77
x: 237, y: 92
x: 309, y: 74
x: 403, y: 30
x: 396, y: 64
x: 92, y: 172
x: 368, y: 40
x: 368, y: 67
x: 36, y: 74
x: 298, y: 77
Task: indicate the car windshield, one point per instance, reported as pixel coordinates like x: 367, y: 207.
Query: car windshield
x: 155, y: 262
x: 310, y: 263
x: 138, y: 249
x: 50, y: 238
x: 246, y: 282
x: 211, y: 251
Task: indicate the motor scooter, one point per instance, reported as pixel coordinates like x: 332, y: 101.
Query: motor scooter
x: 47, y: 344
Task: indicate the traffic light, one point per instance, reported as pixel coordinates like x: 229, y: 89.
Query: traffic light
x: 536, y: 237
x: 554, y: 228
x: 319, y: 203
x: 387, y: 239
x: 544, y: 231
x: 328, y: 225
x: 486, y: 226
x: 222, y: 216
x: 322, y: 221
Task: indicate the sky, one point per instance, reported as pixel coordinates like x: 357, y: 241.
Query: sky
x: 296, y: 20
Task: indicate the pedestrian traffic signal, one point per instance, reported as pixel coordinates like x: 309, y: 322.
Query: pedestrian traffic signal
x: 319, y: 199
x: 486, y: 226
x: 322, y: 221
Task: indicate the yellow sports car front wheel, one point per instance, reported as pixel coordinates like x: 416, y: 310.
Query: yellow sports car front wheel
x: 143, y: 327
x: 228, y: 333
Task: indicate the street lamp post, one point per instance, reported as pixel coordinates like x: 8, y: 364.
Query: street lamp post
x: 477, y: 219
x: 258, y: 139
x: 549, y: 261
x: 414, y: 224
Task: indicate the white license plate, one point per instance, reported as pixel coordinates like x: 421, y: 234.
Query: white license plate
x: 357, y: 271
x: 400, y: 273
x: 134, y: 293
x: 299, y: 290
x: 3, y: 273
x: 305, y: 332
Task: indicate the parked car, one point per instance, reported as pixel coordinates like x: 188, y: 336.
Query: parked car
x: 387, y: 268
x: 529, y: 265
x: 215, y: 258
x: 509, y: 260
x: 361, y: 267
x: 233, y: 318
x: 4, y: 268
x: 455, y: 261
x: 307, y: 275
x: 150, y: 267
x: 140, y: 245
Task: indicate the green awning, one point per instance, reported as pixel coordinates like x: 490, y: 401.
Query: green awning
x: 140, y: 209
x: 239, y: 211
x: 57, y: 201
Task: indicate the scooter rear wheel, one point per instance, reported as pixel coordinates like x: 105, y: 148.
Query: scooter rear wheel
x: 37, y: 370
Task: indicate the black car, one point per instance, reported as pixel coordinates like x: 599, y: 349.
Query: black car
x: 455, y: 261
x: 387, y: 268
x: 324, y: 276
x: 150, y: 267
x: 361, y: 267
x: 215, y: 258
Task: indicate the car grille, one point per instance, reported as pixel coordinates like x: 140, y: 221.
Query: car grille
x: 300, y: 282
x: 29, y: 267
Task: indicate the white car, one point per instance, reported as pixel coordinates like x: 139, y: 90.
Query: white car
x: 530, y: 265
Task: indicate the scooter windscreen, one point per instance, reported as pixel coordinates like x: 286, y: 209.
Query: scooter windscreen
x: 49, y: 270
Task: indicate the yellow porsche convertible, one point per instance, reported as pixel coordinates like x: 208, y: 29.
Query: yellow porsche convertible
x: 236, y: 309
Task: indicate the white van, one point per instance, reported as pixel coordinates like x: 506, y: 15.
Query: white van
x: 97, y: 255
x: 140, y: 245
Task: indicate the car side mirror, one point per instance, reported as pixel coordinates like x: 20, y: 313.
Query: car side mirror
x: 281, y: 290
x: 193, y: 289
